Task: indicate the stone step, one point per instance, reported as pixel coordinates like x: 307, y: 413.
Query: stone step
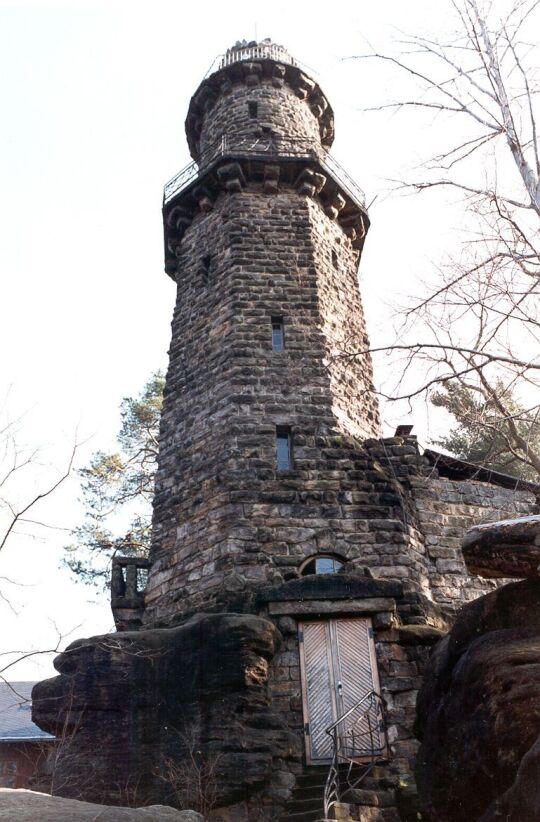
x: 303, y: 817
x: 314, y: 772
x: 310, y: 791
x: 306, y: 802
x: 302, y: 805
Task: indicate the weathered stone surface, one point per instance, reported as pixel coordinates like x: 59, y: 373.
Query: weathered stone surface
x: 31, y: 806
x: 156, y: 696
x: 294, y: 107
x: 331, y: 606
x: 445, y: 509
x: 344, y: 585
x: 419, y: 635
x: 508, y: 548
x: 479, y: 705
x: 521, y: 802
x: 228, y: 508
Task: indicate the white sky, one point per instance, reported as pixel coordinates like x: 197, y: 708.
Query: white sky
x: 93, y: 99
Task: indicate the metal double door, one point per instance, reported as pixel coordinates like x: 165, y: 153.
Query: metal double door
x: 338, y: 670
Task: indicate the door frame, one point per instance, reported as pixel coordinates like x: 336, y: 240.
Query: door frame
x: 331, y: 661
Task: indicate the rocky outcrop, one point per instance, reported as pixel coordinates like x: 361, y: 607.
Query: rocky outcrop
x: 479, y: 711
x: 29, y: 806
x: 521, y: 802
x: 509, y: 548
x: 179, y: 703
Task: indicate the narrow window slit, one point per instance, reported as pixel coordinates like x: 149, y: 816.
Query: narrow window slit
x: 278, y: 337
x: 206, y: 264
x: 253, y: 109
x: 283, y: 448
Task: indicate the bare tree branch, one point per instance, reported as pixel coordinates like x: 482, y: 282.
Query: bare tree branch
x: 477, y: 324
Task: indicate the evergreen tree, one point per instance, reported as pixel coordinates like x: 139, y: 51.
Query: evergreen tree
x: 117, y: 491
x: 482, y: 435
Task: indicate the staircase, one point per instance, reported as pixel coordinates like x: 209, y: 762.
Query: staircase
x: 306, y: 802
x: 359, y: 732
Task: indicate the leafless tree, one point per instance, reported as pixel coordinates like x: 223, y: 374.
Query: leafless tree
x: 19, y: 469
x: 477, y: 325
x: 25, y: 482
x: 194, y: 779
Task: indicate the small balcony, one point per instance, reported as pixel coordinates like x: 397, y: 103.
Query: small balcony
x: 265, y: 147
x: 128, y: 581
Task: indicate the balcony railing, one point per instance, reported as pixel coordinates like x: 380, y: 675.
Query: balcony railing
x: 265, y: 147
x: 260, y: 51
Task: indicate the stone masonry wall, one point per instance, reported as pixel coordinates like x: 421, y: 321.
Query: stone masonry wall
x: 354, y: 405
x: 291, y: 104
x: 280, y: 112
x: 439, y: 511
x: 224, y: 517
x: 446, y: 510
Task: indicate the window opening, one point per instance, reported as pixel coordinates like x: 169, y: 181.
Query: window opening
x: 283, y: 449
x: 142, y: 578
x: 278, y: 337
x: 334, y: 258
x: 253, y: 109
x: 206, y: 263
x: 321, y: 565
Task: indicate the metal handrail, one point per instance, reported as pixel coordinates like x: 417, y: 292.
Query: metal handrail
x: 263, y: 145
x: 344, y: 716
x: 332, y: 790
x: 259, y: 51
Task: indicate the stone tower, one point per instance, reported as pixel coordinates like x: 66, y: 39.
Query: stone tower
x: 302, y: 566
x: 263, y: 236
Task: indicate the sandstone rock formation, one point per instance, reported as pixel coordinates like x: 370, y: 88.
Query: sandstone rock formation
x: 521, y: 802
x: 479, y: 712
x: 195, y: 693
x: 29, y: 806
x: 509, y: 548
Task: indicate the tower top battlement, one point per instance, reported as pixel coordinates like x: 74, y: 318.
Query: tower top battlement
x: 258, y: 119
x: 253, y: 50
x: 251, y: 68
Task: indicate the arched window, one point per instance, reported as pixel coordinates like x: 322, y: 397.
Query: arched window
x: 321, y: 564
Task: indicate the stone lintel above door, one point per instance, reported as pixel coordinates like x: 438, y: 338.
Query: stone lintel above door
x: 320, y: 607
x: 343, y: 585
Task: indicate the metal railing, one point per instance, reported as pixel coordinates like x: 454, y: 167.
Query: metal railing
x: 264, y: 146
x: 259, y: 51
x: 358, y: 736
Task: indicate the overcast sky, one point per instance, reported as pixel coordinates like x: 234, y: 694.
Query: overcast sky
x: 93, y: 99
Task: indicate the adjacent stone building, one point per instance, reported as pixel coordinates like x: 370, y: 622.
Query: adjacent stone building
x: 302, y: 566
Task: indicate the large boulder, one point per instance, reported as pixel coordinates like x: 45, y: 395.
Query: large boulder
x: 150, y: 715
x: 509, y: 548
x: 521, y: 802
x: 478, y: 711
x: 29, y: 806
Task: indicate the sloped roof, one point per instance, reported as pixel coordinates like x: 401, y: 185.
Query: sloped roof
x: 16, y: 713
x: 455, y: 468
